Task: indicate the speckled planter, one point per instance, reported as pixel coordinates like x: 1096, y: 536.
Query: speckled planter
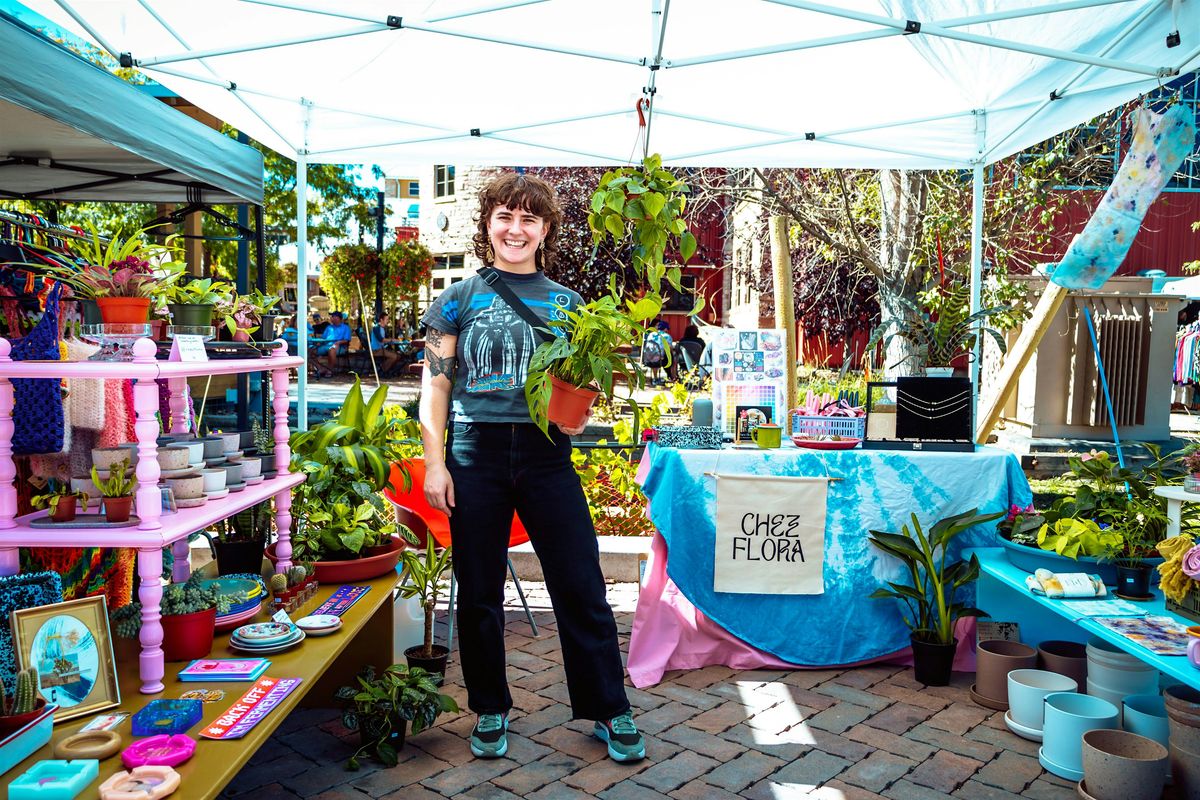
x: 187, y: 488
x: 994, y: 659
x: 1119, y: 765
x: 1185, y: 773
x: 1183, y: 716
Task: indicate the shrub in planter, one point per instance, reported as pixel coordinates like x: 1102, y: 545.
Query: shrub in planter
x: 61, y: 500
x: 930, y: 599
x: 379, y: 707
x: 117, y: 491
x: 189, y: 612
x: 426, y: 573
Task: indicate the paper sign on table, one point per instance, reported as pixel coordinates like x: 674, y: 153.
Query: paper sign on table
x: 186, y: 347
x: 341, y: 600
x: 770, y: 535
x: 253, y: 706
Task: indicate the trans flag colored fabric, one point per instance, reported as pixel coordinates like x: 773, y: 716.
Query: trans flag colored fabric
x: 1160, y: 143
x: 878, y: 490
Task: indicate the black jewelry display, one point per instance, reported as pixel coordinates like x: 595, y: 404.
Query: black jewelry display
x: 928, y: 414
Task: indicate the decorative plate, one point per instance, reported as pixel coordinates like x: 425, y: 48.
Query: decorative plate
x: 268, y: 650
x: 316, y: 622
x: 230, y: 585
x: 263, y: 632
x: 826, y: 444
x: 233, y: 620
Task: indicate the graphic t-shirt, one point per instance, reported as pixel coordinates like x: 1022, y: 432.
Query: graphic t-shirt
x: 494, y: 343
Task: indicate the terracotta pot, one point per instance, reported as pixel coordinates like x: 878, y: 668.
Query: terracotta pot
x: 188, y: 636
x: 569, y: 404
x: 1118, y: 765
x: 158, y: 330
x: 359, y: 569
x: 132, y: 310
x: 118, y: 509
x: 1065, y: 658
x: 995, y: 658
x: 932, y: 663
x: 64, y: 511
x: 18, y: 721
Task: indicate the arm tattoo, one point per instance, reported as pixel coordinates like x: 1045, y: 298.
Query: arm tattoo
x: 433, y: 337
x: 441, y: 365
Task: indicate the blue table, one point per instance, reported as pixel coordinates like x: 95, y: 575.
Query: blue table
x: 878, y: 490
x: 1003, y: 594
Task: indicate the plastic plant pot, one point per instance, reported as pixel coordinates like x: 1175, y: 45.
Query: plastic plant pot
x: 1027, y: 690
x: 1069, y: 715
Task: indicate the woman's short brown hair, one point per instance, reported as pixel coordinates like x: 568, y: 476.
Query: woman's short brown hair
x: 527, y: 193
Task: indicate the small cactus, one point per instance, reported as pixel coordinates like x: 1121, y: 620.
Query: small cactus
x: 25, y: 698
x: 279, y: 583
x: 295, y: 576
x: 4, y: 712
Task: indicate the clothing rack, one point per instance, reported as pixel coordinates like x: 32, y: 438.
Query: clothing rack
x: 36, y: 223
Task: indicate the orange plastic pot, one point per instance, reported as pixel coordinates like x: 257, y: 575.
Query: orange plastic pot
x: 114, y: 310
x: 569, y: 405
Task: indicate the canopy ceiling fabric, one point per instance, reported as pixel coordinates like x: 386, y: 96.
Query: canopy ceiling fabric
x: 71, y: 131
x: 740, y: 82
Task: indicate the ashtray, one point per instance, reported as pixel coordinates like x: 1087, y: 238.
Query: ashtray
x: 141, y: 783
x: 159, y: 751
x: 167, y: 717
x: 54, y: 780
x: 89, y: 744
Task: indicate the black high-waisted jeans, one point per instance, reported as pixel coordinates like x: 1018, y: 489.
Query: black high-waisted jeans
x: 498, y: 468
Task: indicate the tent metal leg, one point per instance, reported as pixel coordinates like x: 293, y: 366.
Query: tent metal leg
x: 521, y: 594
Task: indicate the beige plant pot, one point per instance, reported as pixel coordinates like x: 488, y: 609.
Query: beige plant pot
x: 187, y: 488
x: 230, y: 442
x: 251, y: 468
x: 103, y: 458
x: 173, y: 458
x: 1119, y: 765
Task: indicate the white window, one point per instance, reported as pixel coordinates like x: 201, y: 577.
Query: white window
x: 443, y: 180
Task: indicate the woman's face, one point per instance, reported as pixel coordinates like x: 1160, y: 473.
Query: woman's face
x: 515, y: 235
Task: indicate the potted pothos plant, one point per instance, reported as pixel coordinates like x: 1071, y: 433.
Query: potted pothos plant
x: 340, y: 513
x: 192, y: 303
x: 123, y: 275
x: 1138, y: 530
x: 425, y: 573
x: 936, y: 338
x: 61, y: 500
x: 189, y: 615
x: 117, y: 491
x: 930, y: 596
x: 242, y: 314
x: 568, y: 373
x: 380, y: 707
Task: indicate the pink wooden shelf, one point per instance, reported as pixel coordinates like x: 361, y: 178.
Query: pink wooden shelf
x: 175, y: 526
x: 149, y: 369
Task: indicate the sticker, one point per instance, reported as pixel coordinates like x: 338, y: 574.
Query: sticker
x: 253, y: 706
x: 105, y: 722
x: 204, y: 695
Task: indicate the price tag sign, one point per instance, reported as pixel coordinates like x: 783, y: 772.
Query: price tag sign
x: 282, y: 616
x: 188, y: 347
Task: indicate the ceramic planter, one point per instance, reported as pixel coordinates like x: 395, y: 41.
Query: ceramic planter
x: 82, y: 484
x: 214, y: 479
x: 1027, y: 690
x: 230, y: 442
x: 1119, y: 765
x: 15, y: 722
x: 1185, y: 772
x: 994, y: 659
x: 233, y: 474
x: 116, y: 310
x: 105, y: 458
x: 1068, y: 715
x: 569, y: 404
x: 1183, y: 716
x: 1133, y: 581
x: 1114, y: 671
x: 435, y: 664
x: 132, y: 449
x: 195, y: 450
x: 1146, y: 715
x: 188, y: 636
x: 173, y: 458
x: 932, y: 663
x: 245, y: 440
x: 1065, y: 658
x: 64, y: 509
x: 189, y: 487
x: 213, y: 448
x: 191, y: 314
x: 251, y: 468
x: 118, y: 509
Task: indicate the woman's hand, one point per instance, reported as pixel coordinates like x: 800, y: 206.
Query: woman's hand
x: 576, y: 431
x: 439, y: 488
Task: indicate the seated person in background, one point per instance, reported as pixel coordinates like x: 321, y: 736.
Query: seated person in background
x: 379, y: 345
x: 335, y: 342
x: 692, y: 334
x: 291, y: 335
x: 695, y: 345
x: 316, y: 326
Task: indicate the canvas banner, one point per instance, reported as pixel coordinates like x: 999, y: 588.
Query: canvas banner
x: 770, y: 535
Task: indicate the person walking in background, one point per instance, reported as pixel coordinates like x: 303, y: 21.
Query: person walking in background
x: 485, y: 459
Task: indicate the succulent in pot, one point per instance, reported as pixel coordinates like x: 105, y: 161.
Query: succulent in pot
x: 189, y: 612
x: 24, y: 705
x: 117, y: 491
x: 61, y: 499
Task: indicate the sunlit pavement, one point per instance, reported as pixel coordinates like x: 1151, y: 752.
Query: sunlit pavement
x: 712, y: 734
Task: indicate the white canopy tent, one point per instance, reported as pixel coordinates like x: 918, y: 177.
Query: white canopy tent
x: 935, y: 84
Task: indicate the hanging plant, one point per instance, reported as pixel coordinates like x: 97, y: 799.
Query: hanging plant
x: 408, y: 265
x: 347, y: 267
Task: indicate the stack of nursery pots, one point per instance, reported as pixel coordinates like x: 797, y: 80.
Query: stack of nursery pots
x: 1183, y: 719
x: 1027, y: 691
x: 994, y: 659
x: 1114, y: 674
x: 1065, y: 658
x: 1119, y: 765
x: 1068, y: 716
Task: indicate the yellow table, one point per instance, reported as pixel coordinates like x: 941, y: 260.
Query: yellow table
x: 323, y: 662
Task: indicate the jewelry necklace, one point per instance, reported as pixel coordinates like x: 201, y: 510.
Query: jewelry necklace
x: 932, y: 404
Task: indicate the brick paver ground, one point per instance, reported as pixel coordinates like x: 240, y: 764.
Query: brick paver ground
x: 712, y: 734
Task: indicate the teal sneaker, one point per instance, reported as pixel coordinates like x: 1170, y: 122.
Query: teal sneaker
x: 624, y: 741
x: 489, y: 739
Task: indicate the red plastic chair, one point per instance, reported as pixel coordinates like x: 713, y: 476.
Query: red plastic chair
x: 412, y: 509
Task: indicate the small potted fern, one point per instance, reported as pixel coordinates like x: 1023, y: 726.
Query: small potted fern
x: 189, y: 616
x: 117, y: 491
x: 61, y: 500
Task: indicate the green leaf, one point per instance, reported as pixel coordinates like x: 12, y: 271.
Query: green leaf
x: 615, y: 200
x: 614, y: 226
x: 387, y: 754
x: 687, y: 246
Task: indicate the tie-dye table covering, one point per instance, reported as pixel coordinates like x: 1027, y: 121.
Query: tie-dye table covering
x: 878, y: 490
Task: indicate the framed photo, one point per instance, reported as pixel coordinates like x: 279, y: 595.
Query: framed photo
x: 71, y: 647
x: 750, y: 417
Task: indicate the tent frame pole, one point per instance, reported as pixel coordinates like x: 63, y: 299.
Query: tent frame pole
x: 302, y: 285
x: 977, y: 211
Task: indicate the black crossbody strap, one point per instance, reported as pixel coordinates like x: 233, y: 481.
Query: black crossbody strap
x: 492, y: 278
